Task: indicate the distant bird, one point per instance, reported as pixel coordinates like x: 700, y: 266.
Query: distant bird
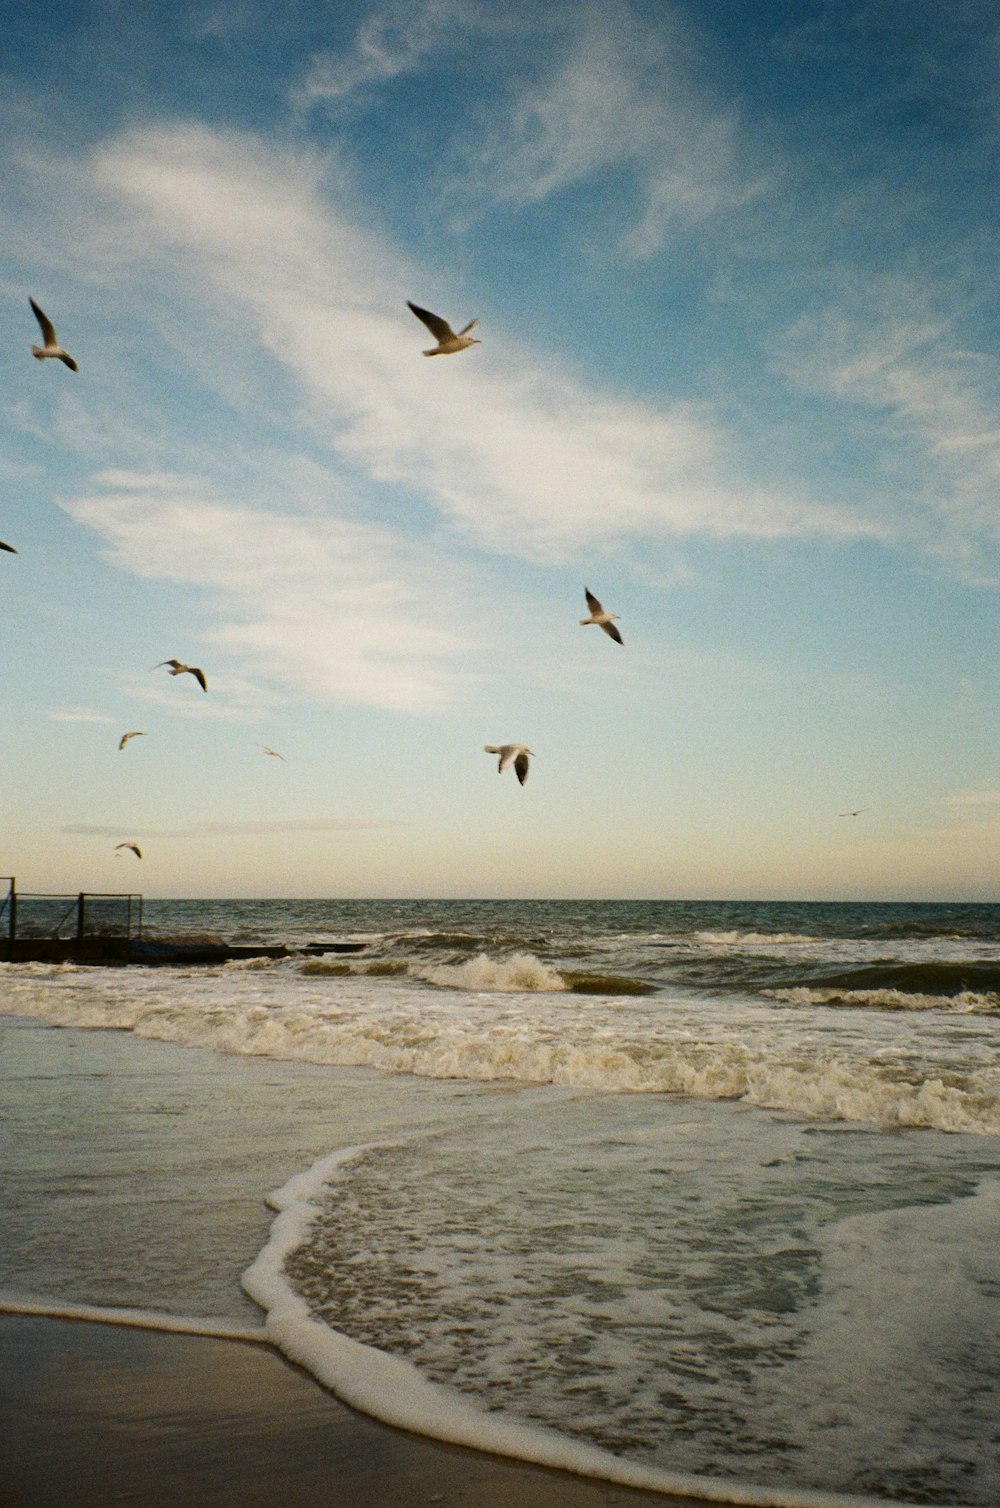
x: 511, y: 754
x: 853, y: 814
x: 447, y: 341
x: 133, y: 848
x: 126, y: 736
x: 274, y: 753
x: 51, y: 346
x: 9, y: 548
x: 177, y: 668
x: 600, y: 617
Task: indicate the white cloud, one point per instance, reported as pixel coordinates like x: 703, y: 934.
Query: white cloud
x: 323, y: 606
x: 620, y: 98
x: 888, y: 348
x: 522, y: 457
x: 236, y: 829
x: 77, y: 715
x: 393, y: 40
x: 299, y: 825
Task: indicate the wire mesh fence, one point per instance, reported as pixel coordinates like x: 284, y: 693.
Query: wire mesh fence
x: 88, y: 914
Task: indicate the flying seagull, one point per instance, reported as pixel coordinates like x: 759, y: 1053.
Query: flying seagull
x: 177, y: 668
x: 274, y: 753
x: 853, y: 814
x: 126, y: 736
x: 134, y: 847
x: 447, y: 341
x: 511, y: 754
x: 600, y: 617
x: 51, y: 346
x: 9, y: 548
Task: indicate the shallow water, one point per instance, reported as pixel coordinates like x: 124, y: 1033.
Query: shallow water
x: 634, y: 1175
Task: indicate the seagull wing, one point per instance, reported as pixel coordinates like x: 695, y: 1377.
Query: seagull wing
x: 69, y: 362
x: 439, y: 328
x: 48, y: 329
x: 508, y: 753
x: 175, y: 663
x: 521, y: 766
x: 199, y: 676
x: 9, y: 548
x: 592, y: 602
x: 612, y: 633
x: 470, y: 326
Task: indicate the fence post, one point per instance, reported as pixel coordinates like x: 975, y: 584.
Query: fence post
x: 79, y: 917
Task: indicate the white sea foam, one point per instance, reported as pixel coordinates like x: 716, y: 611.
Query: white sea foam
x: 519, y: 972
x: 968, y: 1002
x: 765, y: 1057
x: 919, y: 1284
x: 395, y: 1392
x: 134, y: 1319
x: 734, y: 939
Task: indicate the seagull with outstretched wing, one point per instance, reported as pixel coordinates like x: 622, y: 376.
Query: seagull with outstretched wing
x: 447, y: 341
x: 51, y: 348
x: 177, y: 667
x: 600, y: 617
x: 511, y: 754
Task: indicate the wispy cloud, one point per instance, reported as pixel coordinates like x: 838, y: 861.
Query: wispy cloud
x: 302, y: 825
x: 618, y: 98
x: 77, y: 715
x: 323, y: 606
x: 522, y: 457
x: 234, y: 829
x: 393, y: 40
x: 894, y: 348
x: 973, y: 798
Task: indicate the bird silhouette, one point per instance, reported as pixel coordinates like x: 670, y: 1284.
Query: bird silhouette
x: 600, y: 617
x: 177, y: 667
x: 51, y: 348
x: 511, y: 754
x: 447, y: 341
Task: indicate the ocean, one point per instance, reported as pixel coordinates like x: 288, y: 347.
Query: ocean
x: 698, y: 1195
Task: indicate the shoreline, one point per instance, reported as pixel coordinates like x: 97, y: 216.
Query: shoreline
x: 101, y: 1413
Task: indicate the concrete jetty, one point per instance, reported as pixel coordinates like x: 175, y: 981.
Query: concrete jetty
x: 106, y: 929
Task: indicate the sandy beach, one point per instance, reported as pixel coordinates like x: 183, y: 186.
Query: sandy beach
x: 95, y: 1414
x: 690, y: 1294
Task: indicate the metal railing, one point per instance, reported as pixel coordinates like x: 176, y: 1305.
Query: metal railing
x: 88, y: 914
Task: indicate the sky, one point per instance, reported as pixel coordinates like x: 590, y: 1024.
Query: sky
x: 735, y: 272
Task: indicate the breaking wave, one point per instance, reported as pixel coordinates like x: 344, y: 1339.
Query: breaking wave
x: 522, y: 973
x: 931, y: 978
x: 733, y: 939
x: 965, y: 1003
x: 512, y: 1036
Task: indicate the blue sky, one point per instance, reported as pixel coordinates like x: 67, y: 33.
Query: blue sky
x: 735, y: 273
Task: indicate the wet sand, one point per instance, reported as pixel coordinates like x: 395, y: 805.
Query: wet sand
x: 93, y: 1415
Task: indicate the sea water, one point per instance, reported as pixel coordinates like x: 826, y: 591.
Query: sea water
x: 708, y: 1190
